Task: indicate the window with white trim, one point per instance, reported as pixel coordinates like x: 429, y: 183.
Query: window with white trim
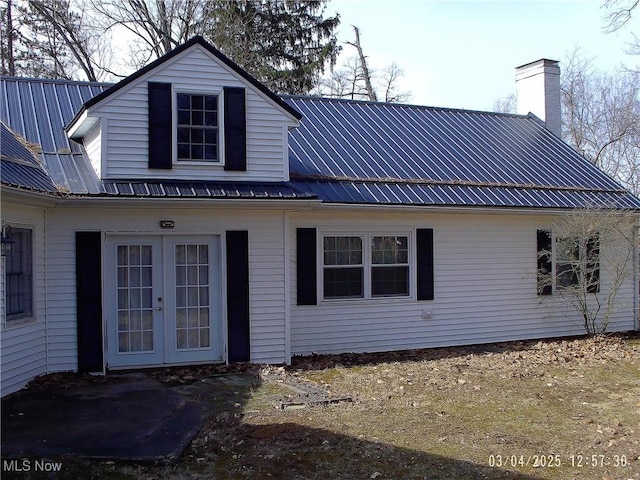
x: 566, y: 263
x: 197, y: 128
x: 343, y: 267
x: 19, y: 274
x: 365, y: 266
x: 389, y: 266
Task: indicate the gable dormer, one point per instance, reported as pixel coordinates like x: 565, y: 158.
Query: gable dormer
x: 190, y: 115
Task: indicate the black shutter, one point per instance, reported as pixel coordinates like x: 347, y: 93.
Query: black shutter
x: 593, y: 264
x: 89, y: 301
x: 424, y: 255
x: 238, y: 295
x: 545, y: 276
x: 235, y: 129
x: 160, y: 125
x: 306, y: 268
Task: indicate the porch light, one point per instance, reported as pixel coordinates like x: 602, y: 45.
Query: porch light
x: 167, y: 224
x: 7, y: 243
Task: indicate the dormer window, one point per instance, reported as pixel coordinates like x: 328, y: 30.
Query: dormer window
x: 191, y: 128
x: 197, y: 128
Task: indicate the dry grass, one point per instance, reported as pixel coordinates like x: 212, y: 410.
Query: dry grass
x: 434, y: 414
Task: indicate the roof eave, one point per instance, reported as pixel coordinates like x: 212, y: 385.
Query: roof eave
x: 81, y: 124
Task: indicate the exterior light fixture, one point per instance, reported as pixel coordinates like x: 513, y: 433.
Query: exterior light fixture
x: 167, y: 224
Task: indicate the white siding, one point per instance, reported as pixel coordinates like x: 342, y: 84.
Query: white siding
x: 23, y: 342
x: 194, y: 70
x: 266, y: 271
x: 485, y: 290
x: 93, y: 146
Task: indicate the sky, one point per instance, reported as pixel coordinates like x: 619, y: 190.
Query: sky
x: 463, y: 53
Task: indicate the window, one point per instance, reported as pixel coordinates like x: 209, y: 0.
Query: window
x: 389, y: 266
x: 197, y: 128
x: 343, y: 267
x: 568, y: 262
x: 19, y: 274
x: 578, y: 263
x: 366, y: 266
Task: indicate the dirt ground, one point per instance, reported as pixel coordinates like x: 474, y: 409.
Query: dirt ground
x: 565, y: 409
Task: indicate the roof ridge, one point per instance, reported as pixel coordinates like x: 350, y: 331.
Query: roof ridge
x: 398, y: 105
x: 62, y: 81
x: 453, y: 182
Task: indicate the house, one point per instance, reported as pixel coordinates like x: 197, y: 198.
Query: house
x: 189, y: 215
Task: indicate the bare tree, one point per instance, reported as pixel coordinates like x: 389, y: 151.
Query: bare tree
x: 355, y: 80
x: 284, y: 44
x: 620, y: 14
x: 52, y: 38
x: 505, y: 104
x: 601, y: 118
x: 9, y: 33
x: 388, y: 82
x: 589, y: 257
x: 366, y: 75
x: 157, y: 26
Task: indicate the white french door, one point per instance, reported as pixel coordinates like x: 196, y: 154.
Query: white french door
x: 163, y: 300
x: 193, y: 331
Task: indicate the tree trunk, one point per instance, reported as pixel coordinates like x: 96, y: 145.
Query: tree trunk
x: 363, y: 63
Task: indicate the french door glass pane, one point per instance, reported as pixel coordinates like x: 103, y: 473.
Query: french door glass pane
x: 192, y: 296
x: 134, y: 298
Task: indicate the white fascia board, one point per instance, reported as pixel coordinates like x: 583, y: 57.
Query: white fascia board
x: 83, y: 125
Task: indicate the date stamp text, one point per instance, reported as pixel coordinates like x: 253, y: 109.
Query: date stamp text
x: 556, y: 461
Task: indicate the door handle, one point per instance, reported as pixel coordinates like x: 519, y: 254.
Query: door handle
x: 159, y: 308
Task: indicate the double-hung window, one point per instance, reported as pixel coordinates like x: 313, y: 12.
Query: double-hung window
x: 389, y: 266
x: 343, y: 267
x: 19, y: 275
x: 198, y: 128
x: 566, y: 263
x: 365, y: 266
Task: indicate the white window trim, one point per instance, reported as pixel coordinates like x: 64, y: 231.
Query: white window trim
x: 555, y: 288
x: 219, y: 92
x: 16, y: 322
x: 366, y: 236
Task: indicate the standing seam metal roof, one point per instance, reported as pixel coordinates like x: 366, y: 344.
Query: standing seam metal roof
x: 438, y: 156
x: 348, y: 152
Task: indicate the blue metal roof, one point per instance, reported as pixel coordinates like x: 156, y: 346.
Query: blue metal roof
x: 40, y: 109
x: 346, y: 152
x: 187, y: 189
x: 19, y: 167
x: 368, y: 152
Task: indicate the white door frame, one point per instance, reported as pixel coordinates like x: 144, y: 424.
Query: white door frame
x: 206, y: 301
x: 165, y: 351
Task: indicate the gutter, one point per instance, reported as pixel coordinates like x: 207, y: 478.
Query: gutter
x: 193, y: 202
x: 448, y: 208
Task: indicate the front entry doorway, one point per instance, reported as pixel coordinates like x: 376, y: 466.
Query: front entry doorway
x: 163, y: 300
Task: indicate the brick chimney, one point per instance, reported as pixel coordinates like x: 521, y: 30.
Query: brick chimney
x: 538, y: 92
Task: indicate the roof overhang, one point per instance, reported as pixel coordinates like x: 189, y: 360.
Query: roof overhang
x: 33, y: 198
x: 81, y: 125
